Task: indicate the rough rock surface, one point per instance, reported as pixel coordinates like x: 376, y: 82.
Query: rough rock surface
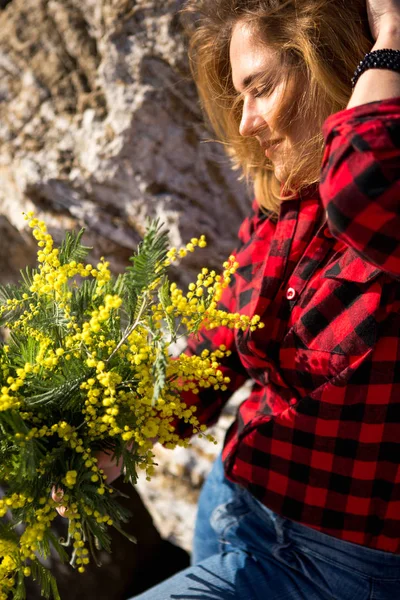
x: 17, y: 249
x: 100, y: 127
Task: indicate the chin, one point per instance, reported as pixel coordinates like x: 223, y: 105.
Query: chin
x: 280, y: 173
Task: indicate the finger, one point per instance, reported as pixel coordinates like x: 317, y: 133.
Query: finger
x: 57, y: 494
x: 62, y: 511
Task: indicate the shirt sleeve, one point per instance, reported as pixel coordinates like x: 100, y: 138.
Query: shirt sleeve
x: 210, y: 402
x: 360, y: 181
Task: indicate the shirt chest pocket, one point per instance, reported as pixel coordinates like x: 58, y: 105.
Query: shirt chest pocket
x: 336, y: 320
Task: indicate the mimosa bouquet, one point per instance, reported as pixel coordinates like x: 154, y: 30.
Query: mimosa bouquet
x: 87, y: 367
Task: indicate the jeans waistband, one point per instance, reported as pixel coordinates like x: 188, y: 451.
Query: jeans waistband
x: 368, y: 561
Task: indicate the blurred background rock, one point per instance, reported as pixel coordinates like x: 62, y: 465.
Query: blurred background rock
x: 100, y: 127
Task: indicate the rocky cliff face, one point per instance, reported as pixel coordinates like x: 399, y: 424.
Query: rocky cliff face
x: 100, y: 127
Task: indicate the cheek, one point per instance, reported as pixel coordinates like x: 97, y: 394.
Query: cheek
x: 271, y: 110
x: 292, y: 124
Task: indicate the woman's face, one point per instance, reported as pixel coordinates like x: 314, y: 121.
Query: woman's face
x: 268, y: 114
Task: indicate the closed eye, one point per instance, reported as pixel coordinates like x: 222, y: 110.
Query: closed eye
x: 263, y: 91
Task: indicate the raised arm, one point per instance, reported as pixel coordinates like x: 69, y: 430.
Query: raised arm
x: 380, y: 84
x: 360, y: 178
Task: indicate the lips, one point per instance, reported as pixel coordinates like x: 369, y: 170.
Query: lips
x: 271, y: 145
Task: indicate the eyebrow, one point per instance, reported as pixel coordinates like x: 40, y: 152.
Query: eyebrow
x: 247, y: 81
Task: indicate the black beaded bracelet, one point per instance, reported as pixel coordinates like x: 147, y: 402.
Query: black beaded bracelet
x: 387, y: 58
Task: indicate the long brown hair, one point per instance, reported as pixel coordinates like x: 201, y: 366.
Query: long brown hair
x: 319, y: 40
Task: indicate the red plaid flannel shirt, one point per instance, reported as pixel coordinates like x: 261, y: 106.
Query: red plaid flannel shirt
x: 318, y: 439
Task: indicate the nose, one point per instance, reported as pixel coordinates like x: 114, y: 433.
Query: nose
x: 252, y: 120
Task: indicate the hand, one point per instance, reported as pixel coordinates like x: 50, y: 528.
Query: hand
x: 111, y: 471
x: 383, y: 15
x: 57, y: 494
x: 109, y: 465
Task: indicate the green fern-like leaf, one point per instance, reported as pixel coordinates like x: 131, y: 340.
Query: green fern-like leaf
x: 118, y: 286
x: 11, y: 292
x: 23, y: 351
x: 72, y: 249
x: 20, y: 590
x: 27, y: 276
x: 99, y: 533
x: 63, y: 395
x: 58, y: 547
x: 51, y: 321
x: 11, y: 422
x: 30, y: 457
x: 159, y: 371
x: 7, y: 532
x: 83, y: 297
x: 130, y: 464
x: 146, y: 264
x: 16, y: 292
x: 46, y: 581
x: 29, y: 454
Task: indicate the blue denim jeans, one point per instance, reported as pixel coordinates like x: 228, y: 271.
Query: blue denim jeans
x: 244, y: 551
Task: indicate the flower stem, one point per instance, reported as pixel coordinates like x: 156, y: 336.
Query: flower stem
x: 129, y: 330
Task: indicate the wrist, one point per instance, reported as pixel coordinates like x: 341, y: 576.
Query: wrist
x: 389, y: 37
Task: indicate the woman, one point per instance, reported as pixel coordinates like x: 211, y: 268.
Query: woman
x: 305, y: 502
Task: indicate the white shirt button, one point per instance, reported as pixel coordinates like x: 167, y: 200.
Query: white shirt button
x: 290, y: 293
